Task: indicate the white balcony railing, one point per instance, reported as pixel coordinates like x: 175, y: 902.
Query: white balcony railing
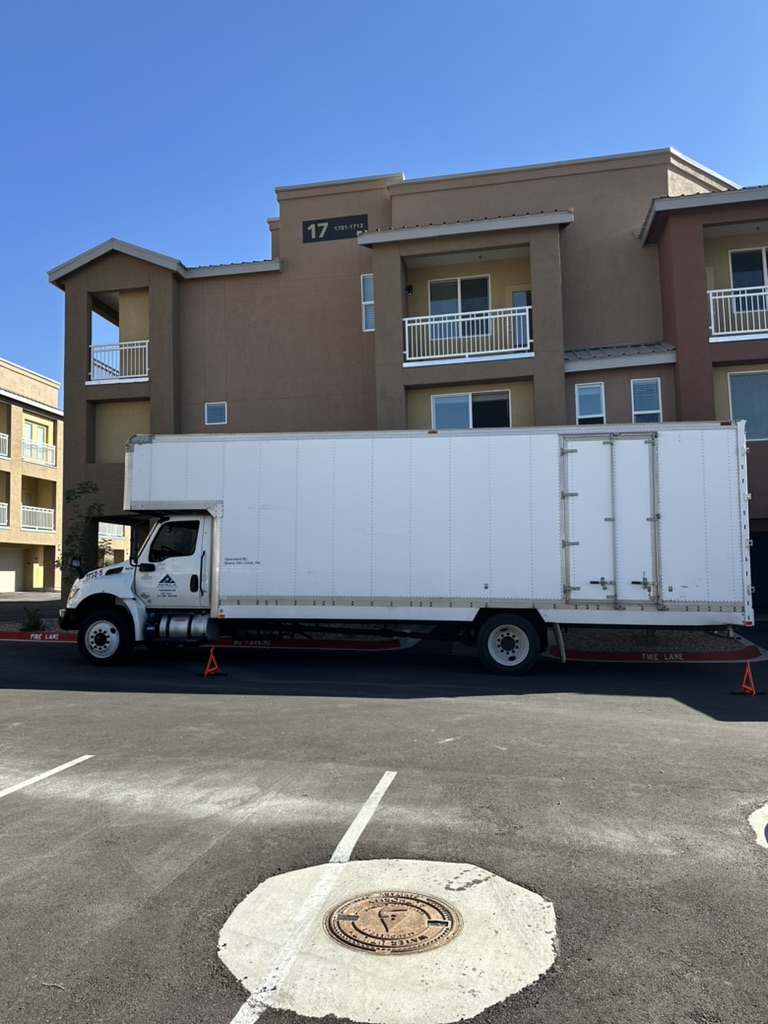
x: 41, y: 519
x: 455, y: 336
x: 738, y: 312
x: 129, y: 359
x: 4, y: 445
x: 36, y: 451
x: 3, y: 513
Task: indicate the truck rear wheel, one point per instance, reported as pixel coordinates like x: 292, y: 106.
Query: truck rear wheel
x: 508, y: 644
x: 106, y: 637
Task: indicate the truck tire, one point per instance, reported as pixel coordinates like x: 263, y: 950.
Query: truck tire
x: 508, y: 644
x: 106, y: 637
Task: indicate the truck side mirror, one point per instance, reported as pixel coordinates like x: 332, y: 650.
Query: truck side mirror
x: 74, y: 563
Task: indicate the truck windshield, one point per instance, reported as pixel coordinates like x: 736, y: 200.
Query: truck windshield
x: 173, y: 540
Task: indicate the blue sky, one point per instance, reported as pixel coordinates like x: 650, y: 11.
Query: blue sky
x: 170, y: 125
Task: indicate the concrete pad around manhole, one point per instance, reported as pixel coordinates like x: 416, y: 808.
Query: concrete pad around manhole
x: 759, y: 822
x: 507, y: 941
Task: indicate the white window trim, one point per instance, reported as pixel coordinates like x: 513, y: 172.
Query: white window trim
x: 644, y: 412
x: 365, y: 303
x: 217, y: 423
x: 469, y: 395
x: 592, y: 419
x: 744, y: 373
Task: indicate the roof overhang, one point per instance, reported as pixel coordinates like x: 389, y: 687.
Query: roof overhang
x: 57, y: 275
x: 472, y: 227
x: 659, y: 208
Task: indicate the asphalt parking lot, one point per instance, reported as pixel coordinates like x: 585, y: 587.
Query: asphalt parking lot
x: 621, y: 797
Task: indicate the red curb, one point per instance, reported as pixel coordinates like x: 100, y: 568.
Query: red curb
x: 55, y: 638
x: 750, y: 653
x: 327, y: 645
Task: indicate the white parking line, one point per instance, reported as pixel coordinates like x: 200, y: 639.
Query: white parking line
x: 45, y: 775
x: 265, y: 996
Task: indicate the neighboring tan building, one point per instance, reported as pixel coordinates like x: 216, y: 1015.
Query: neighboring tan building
x: 31, y: 447
x: 526, y: 296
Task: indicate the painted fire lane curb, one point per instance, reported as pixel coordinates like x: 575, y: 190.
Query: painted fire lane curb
x: 748, y: 653
x: 51, y: 638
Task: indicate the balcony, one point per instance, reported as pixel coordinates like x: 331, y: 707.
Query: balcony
x: 3, y: 513
x: 36, y: 451
x: 127, y: 361
x: 737, y: 314
x: 4, y: 446
x: 40, y: 519
x: 455, y: 337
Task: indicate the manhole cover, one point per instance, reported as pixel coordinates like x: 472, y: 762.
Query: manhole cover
x: 393, y: 922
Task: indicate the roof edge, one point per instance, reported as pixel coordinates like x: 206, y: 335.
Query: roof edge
x: 666, y: 204
x: 525, y: 220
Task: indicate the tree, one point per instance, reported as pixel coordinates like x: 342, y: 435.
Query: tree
x: 81, y: 517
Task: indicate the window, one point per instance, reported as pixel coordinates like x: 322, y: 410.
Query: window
x: 459, y: 295
x: 215, y: 413
x: 590, y: 404
x: 646, y: 401
x: 471, y: 411
x: 174, y: 540
x: 749, y: 269
x: 366, y: 297
x: 749, y: 401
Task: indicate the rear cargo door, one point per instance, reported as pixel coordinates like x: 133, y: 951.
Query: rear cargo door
x: 610, y: 518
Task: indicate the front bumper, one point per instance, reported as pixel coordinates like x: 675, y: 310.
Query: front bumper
x: 67, y: 618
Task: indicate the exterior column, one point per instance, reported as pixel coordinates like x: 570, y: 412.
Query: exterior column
x: 547, y: 299
x: 389, y: 291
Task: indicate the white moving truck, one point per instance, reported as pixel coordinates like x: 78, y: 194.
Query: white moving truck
x: 489, y: 536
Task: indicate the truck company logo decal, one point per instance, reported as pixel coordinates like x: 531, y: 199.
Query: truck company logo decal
x: 167, y: 581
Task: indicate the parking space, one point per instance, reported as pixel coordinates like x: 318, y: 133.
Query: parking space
x: 623, y: 799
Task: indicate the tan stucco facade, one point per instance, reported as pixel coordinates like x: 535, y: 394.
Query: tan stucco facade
x: 31, y: 498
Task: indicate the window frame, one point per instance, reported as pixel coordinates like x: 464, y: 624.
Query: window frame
x: 593, y: 420
x: 366, y: 304
x: 469, y: 396
x: 745, y: 373
x: 646, y: 412
x: 215, y: 423
x: 763, y: 250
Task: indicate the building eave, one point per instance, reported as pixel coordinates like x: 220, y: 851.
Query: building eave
x: 664, y: 205
x: 22, y: 400
x: 58, y: 274
x: 473, y: 227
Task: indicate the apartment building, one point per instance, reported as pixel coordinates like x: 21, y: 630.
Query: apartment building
x: 31, y: 447
x: 614, y: 289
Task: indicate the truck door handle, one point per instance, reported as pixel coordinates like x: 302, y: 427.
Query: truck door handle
x: 193, y: 584
x: 202, y: 559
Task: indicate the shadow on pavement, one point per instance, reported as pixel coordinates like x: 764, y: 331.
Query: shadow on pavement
x: 418, y: 673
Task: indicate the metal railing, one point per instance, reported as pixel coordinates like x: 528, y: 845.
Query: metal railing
x: 454, y: 336
x: 42, y: 519
x: 3, y: 513
x: 737, y: 312
x: 37, y: 451
x: 117, y: 362
x: 4, y: 445
x: 111, y: 530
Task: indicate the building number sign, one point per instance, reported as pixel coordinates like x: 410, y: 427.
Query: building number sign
x: 334, y: 228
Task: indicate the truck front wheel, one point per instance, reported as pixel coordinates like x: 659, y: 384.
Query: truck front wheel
x: 508, y: 644
x: 106, y: 637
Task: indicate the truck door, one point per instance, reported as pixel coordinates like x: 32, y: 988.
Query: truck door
x: 610, y: 518
x: 173, y: 568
